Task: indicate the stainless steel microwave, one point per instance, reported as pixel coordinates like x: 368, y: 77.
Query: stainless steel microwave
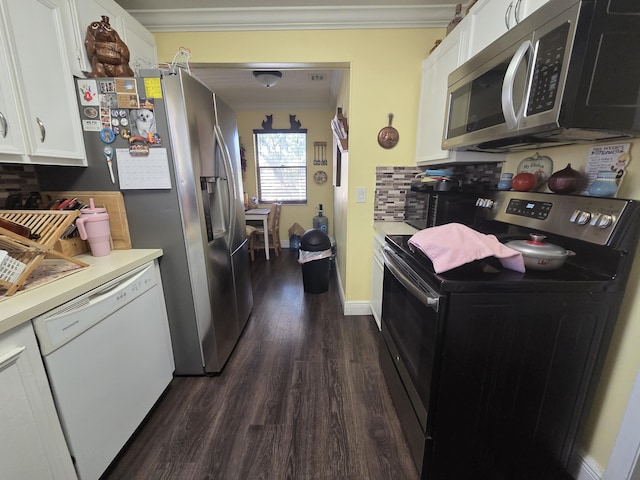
x: 568, y: 73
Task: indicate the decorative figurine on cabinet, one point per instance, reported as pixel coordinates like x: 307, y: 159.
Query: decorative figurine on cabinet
x: 295, y: 124
x: 268, y: 123
x: 108, y: 54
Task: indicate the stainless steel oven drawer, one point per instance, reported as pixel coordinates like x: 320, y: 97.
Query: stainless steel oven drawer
x: 411, y: 426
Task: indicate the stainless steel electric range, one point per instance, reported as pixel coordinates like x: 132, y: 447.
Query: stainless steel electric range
x: 491, y: 370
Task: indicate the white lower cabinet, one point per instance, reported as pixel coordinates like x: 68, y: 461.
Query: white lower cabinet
x: 32, y: 445
x: 377, y: 276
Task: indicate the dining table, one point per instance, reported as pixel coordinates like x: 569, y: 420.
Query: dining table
x: 263, y: 215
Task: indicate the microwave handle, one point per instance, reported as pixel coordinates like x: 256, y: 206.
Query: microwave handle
x: 510, y: 115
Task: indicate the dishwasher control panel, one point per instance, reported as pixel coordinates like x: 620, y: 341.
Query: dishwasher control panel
x: 64, y: 323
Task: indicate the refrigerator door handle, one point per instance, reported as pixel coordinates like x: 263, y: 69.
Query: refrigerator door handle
x: 230, y: 176
x: 207, y: 187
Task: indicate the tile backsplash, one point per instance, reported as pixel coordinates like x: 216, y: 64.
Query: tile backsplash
x: 392, y: 184
x: 17, y: 179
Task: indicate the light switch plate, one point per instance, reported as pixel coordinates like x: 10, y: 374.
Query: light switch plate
x: 361, y: 195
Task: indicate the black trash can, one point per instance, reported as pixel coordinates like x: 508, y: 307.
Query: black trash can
x: 315, y: 258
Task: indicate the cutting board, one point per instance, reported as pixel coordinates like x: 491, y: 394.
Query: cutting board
x: 113, y: 202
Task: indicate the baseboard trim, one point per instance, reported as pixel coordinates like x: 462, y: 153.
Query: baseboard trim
x: 352, y: 308
x: 340, y: 288
x: 585, y: 467
x: 357, y: 308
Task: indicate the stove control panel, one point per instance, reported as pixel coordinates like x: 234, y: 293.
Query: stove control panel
x: 592, y: 219
x: 580, y: 217
x: 529, y: 208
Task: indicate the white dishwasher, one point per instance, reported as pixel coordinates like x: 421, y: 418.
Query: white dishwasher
x: 108, y: 357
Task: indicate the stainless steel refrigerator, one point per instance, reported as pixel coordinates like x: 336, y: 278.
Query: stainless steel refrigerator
x: 194, y: 210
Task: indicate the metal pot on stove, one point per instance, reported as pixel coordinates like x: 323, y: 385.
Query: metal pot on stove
x: 539, y: 255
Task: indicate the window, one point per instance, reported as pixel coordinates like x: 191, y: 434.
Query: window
x: 281, y: 159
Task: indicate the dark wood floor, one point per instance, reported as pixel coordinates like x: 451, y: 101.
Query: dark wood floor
x: 302, y: 397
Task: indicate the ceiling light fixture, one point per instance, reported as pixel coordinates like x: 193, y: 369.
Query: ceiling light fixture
x: 268, y: 78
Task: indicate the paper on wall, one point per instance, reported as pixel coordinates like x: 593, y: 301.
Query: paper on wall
x: 611, y: 158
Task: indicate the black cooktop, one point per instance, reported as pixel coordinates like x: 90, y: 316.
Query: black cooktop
x: 489, y: 275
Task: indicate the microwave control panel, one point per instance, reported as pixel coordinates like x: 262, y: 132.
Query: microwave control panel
x: 546, y: 72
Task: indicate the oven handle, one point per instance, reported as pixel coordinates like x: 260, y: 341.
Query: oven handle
x: 396, y: 267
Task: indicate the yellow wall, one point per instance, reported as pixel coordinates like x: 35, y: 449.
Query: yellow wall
x: 316, y: 123
x: 385, y: 73
x: 623, y: 360
x: 341, y: 193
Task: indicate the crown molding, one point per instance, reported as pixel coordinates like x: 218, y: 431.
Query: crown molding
x: 293, y: 18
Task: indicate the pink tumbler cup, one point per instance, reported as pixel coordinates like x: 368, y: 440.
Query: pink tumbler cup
x: 93, y: 226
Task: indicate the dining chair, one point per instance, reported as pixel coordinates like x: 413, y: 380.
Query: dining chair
x: 250, y: 230
x: 256, y: 240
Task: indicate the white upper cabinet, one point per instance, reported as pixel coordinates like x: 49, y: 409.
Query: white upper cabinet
x: 486, y: 21
x: 140, y: 42
x: 37, y: 94
x: 433, y: 95
x: 12, y: 139
x: 433, y: 103
x: 489, y: 19
x: 530, y: 6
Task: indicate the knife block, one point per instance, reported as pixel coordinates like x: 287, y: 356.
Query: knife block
x: 71, y: 246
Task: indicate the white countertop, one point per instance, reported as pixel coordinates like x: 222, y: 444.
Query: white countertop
x: 394, y: 228
x: 25, y: 305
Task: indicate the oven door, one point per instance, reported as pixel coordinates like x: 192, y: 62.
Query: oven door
x: 411, y: 319
x: 450, y: 207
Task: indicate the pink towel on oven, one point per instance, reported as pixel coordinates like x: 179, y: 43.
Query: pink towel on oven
x: 453, y: 244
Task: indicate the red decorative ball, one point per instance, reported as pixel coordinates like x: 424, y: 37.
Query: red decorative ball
x: 524, y: 182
